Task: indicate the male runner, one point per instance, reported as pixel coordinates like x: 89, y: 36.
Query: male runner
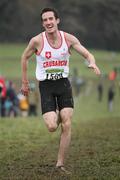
x: 52, y: 49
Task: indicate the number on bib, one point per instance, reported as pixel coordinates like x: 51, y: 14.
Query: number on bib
x: 54, y: 76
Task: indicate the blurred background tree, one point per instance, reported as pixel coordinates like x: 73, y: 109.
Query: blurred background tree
x: 95, y: 22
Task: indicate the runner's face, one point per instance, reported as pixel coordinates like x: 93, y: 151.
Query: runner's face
x: 50, y: 22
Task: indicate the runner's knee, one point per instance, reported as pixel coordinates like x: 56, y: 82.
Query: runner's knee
x: 52, y: 127
x: 51, y: 121
x: 66, y: 125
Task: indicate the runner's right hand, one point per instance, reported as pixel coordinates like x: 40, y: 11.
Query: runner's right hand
x: 25, y: 89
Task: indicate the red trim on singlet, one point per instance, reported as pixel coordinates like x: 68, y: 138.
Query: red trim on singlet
x: 51, y: 45
x: 39, y: 51
x: 67, y: 43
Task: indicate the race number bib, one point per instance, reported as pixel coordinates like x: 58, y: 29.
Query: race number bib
x: 54, y: 76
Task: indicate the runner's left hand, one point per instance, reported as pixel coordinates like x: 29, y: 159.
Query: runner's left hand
x: 95, y: 68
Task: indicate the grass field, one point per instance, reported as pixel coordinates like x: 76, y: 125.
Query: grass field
x: 28, y: 151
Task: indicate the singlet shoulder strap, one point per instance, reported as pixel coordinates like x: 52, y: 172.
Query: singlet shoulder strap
x: 64, y: 38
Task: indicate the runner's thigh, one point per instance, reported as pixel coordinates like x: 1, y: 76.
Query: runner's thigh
x: 65, y: 99
x: 48, y: 101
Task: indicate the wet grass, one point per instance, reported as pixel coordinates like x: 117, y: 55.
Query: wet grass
x: 28, y: 151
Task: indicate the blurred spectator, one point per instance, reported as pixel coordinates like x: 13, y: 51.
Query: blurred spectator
x: 1, y: 87
x: 113, y: 74
x: 119, y: 87
x: 2, y: 96
x: 11, y: 103
x: 8, y: 107
x: 33, y: 100
x: 100, y: 91
x: 111, y: 95
x: 23, y: 105
x: 77, y: 82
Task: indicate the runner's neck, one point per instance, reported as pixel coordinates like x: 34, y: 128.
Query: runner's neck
x: 54, y: 39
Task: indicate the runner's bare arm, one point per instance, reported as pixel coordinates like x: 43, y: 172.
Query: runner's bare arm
x: 75, y: 43
x: 28, y: 52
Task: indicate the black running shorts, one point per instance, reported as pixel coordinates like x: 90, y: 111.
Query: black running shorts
x: 55, y: 94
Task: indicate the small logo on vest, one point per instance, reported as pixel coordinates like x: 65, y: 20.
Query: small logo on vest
x: 48, y: 54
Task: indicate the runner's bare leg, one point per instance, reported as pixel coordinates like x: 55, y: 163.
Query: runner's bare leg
x: 66, y: 115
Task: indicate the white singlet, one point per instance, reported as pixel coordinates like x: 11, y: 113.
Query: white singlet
x: 52, y: 63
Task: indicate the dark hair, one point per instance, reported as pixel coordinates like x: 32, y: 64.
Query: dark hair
x: 50, y: 9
